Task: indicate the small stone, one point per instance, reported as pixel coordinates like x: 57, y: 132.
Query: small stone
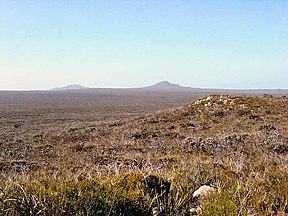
x: 203, y: 191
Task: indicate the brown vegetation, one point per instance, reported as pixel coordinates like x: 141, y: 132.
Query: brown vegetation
x: 131, y: 166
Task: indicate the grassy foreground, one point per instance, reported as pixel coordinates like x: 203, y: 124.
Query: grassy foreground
x: 155, y: 162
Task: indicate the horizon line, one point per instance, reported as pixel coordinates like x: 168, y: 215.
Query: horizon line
x: 83, y: 87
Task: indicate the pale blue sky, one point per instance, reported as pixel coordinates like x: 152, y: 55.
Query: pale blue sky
x: 201, y: 43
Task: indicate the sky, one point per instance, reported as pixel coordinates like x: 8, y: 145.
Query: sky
x: 128, y: 43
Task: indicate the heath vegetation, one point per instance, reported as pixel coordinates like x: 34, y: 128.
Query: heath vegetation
x: 150, y: 164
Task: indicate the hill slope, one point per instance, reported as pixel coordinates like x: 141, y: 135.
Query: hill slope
x: 69, y: 87
x: 167, y: 86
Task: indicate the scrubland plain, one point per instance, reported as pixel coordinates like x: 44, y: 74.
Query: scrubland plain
x: 140, y: 152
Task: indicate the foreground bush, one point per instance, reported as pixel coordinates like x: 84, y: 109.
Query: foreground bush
x: 67, y: 197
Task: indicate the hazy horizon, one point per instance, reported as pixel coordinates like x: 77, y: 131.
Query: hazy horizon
x: 63, y: 87
x: 117, y: 44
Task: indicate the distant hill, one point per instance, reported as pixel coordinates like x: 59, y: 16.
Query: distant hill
x: 165, y: 85
x: 69, y: 87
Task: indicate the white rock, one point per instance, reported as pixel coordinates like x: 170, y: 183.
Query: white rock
x: 208, y: 98
x: 203, y: 191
